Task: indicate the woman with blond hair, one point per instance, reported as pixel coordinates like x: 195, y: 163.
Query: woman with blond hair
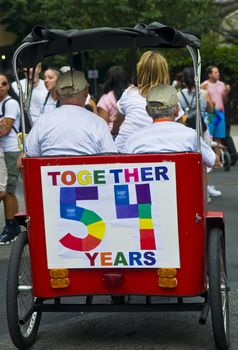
x: 152, y: 70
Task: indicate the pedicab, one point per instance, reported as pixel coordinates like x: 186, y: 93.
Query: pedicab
x: 115, y: 224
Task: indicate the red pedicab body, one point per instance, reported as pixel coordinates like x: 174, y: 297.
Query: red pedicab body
x: 191, y: 276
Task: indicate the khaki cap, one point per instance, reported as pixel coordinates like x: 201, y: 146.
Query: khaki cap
x: 164, y: 95
x: 71, y: 79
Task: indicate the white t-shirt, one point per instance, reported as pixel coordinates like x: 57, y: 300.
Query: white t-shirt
x: 166, y: 136
x: 38, y: 97
x: 69, y: 130
x: 49, y: 104
x: 9, y: 142
x: 132, y: 105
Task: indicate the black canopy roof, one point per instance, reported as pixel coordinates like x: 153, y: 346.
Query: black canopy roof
x: 47, y: 42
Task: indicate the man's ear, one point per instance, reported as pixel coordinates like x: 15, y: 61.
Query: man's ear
x: 85, y: 92
x: 176, y: 112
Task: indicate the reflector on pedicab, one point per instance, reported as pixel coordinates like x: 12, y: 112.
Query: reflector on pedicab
x: 59, y: 278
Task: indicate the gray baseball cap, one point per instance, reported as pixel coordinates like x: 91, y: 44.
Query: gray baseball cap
x: 71, y: 79
x: 164, y: 96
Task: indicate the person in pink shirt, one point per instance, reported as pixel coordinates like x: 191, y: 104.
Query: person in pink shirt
x: 115, y: 83
x: 218, y: 92
x: 217, y: 89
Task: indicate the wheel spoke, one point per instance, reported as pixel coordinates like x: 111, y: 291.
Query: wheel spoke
x: 23, y: 321
x: 25, y: 297
x: 218, y: 288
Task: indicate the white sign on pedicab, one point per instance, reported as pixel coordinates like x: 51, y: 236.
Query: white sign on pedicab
x: 111, y: 215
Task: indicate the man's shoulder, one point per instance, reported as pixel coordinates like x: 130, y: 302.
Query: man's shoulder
x: 173, y: 128
x: 49, y: 117
x: 79, y: 114
x: 95, y: 118
x: 182, y: 127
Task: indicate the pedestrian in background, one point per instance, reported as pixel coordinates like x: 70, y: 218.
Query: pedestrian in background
x: 51, y: 76
x: 178, y: 82
x: 218, y: 92
x: 115, y: 83
x: 9, y: 127
x: 38, y: 93
x: 187, y: 100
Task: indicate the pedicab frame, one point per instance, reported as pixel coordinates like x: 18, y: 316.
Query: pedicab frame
x: 205, y: 277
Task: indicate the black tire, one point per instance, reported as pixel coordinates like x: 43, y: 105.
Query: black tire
x: 226, y: 160
x: 20, y: 299
x: 218, y: 288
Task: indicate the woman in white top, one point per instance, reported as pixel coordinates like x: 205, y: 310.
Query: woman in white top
x: 51, y: 101
x: 187, y: 98
x: 152, y: 70
x: 9, y: 127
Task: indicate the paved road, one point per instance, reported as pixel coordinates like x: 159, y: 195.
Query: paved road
x: 148, y: 331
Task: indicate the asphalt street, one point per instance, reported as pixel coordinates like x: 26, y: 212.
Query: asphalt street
x: 149, y: 331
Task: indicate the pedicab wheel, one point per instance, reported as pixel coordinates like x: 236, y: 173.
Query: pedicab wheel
x: 226, y: 160
x: 218, y: 288
x: 23, y: 322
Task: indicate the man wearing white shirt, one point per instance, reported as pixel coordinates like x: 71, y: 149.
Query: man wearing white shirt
x: 70, y: 129
x: 166, y: 135
x: 39, y: 92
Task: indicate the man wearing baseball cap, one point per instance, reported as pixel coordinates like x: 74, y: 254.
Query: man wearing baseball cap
x: 165, y: 134
x: 70, y: 129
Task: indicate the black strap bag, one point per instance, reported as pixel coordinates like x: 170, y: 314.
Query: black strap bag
x: 190, y: 111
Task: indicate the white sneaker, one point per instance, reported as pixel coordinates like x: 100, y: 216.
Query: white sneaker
x: 213, y: 192
x: 209, y: 170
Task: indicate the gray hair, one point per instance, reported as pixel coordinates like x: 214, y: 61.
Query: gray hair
x: 156, y: 113
x: 68, y: 92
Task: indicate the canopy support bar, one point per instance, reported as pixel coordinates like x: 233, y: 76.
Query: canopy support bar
x: 19, y: 86
x: 197, y: 72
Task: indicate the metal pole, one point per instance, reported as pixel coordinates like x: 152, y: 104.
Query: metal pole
x: 197, y: 72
